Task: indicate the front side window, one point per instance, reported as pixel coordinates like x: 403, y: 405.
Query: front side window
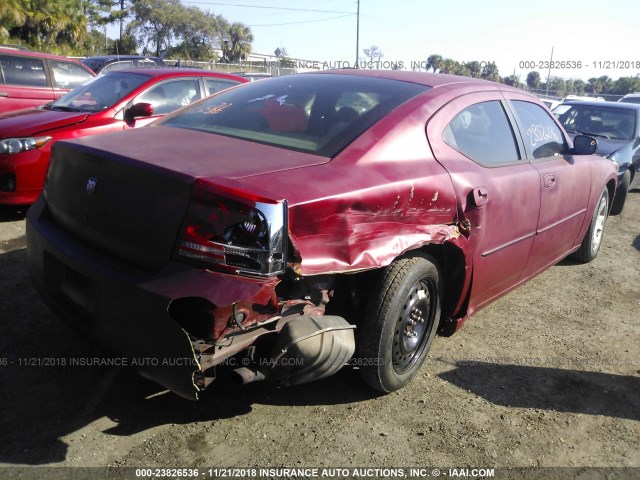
x: 23, y: 71
x: 169, y: 96
x: 482, y: 132
x: 314, y: 113
x: 542, y: 137
x: 68, y: 74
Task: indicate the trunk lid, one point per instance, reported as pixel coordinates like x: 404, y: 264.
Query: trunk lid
x: 127, y: 193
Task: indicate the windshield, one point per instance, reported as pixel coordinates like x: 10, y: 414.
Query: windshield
x: 608, y: 122
x: 99, y: 93
x: 314, y: 113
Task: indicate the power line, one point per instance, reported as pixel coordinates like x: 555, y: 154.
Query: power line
x: 270, y: 8
x: 304, y: 21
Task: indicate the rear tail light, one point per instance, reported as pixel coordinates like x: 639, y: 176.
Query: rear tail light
x: 233, y: 231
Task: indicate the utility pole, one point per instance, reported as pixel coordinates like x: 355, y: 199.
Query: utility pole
x: 357, y: 34
x: 549, y: 74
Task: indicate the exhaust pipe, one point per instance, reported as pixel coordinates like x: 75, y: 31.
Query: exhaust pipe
x: 244, y: 375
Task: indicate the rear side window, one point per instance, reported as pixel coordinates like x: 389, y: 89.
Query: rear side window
x: 23, y: 71
x: 482, y: 132
x: 68, y: 74
x: 542, y: 137
x: 217, y: 84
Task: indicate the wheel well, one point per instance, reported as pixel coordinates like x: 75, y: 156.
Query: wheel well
x: 352, y: 291
x: 452, y: 265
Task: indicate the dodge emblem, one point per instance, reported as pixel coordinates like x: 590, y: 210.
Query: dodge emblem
x: 91, y: 185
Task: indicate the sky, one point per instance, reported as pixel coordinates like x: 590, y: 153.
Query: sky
x: 603, y: 36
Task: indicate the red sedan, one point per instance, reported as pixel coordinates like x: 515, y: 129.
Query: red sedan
x: 261, y: 226
x: 119, y: 100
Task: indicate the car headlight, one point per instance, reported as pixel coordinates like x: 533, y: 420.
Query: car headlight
x: 10, y: 146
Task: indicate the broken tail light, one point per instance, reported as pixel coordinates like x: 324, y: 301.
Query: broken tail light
x: 234, y: 231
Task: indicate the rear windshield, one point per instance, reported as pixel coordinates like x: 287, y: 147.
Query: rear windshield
x: 313, y: 113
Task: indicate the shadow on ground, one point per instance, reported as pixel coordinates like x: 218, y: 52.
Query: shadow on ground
x: 43, y: 398
x: 554, y: 389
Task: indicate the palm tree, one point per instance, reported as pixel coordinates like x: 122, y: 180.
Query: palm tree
x: 434, y: 62
x: 237, y: 45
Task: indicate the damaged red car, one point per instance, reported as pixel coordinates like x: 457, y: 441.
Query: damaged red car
x: 290, y: 225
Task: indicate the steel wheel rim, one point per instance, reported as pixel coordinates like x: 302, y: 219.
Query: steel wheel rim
x: 598, y: 228
x: 413, y: 326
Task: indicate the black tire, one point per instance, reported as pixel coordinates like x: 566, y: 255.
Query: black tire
x: 401, y: 322
x: 620, y: 197
x: 593, y: 238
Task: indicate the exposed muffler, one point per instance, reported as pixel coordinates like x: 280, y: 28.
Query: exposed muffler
x: 307, y: 348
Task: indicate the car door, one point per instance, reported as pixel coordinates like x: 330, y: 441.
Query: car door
x: 23, y: 82
x: 564, y: 183
x: 497, y: 189
x: 66, y: 76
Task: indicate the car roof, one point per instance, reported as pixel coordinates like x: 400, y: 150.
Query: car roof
x: 423, y: 78
x: 178, y: 72
x: 119, y: 57
x: 628, y: 106
x: 30, y: 53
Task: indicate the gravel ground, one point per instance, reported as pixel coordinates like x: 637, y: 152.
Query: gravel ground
x: 547, y: 376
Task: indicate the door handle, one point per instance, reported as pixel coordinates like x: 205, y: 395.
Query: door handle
x: 549, y: 180
x: 480, y: 196
x: 4, y: 94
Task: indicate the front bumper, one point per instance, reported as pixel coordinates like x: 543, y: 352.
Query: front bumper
x: 126, y: 310
x: 28, y: 170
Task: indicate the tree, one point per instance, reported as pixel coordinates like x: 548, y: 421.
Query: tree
x: 47, y: 24
x: 236, y: 43
x: 198, y: 35
x: 434, y: 62
x: 11, y: 15
x: 373, y: 54
x: 579, y: 86
x: 475, y: 69
x: 155, y: 23
x: 533, y: 80
x: 448, y: 65
x: 594, y: 85
x: 490, y: 72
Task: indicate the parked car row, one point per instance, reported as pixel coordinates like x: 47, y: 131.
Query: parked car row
x: 115, y: 101
x: 616, y: 125
x: 297, y: 221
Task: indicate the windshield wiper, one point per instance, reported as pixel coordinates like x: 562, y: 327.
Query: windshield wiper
x: 590, y: 134
x: 62, y: 108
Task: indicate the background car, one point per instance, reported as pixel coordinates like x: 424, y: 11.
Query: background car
x: 259, y: 226
x: 105, y: 63
x: 630, y: 98
x: 29, y: 79
x: 617, y: 128
x: 118, y: 100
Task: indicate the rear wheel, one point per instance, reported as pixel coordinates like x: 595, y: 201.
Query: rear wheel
x: 621, y: 194
x: 593, y: 238
x: 401, y: 323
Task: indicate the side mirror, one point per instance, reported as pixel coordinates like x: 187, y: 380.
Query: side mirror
x: 140, y: 110
x: 584, y: 145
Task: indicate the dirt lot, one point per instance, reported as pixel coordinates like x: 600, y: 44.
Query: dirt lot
x: 547, y: 376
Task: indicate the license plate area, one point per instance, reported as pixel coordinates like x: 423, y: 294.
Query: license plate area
x: 76, y: 290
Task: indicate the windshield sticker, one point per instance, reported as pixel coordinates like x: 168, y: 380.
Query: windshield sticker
x: 281, y: 99
x: 538, y: 133
x: 218, y: 108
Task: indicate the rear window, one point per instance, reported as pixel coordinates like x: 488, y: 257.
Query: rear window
x: 313, y: 113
